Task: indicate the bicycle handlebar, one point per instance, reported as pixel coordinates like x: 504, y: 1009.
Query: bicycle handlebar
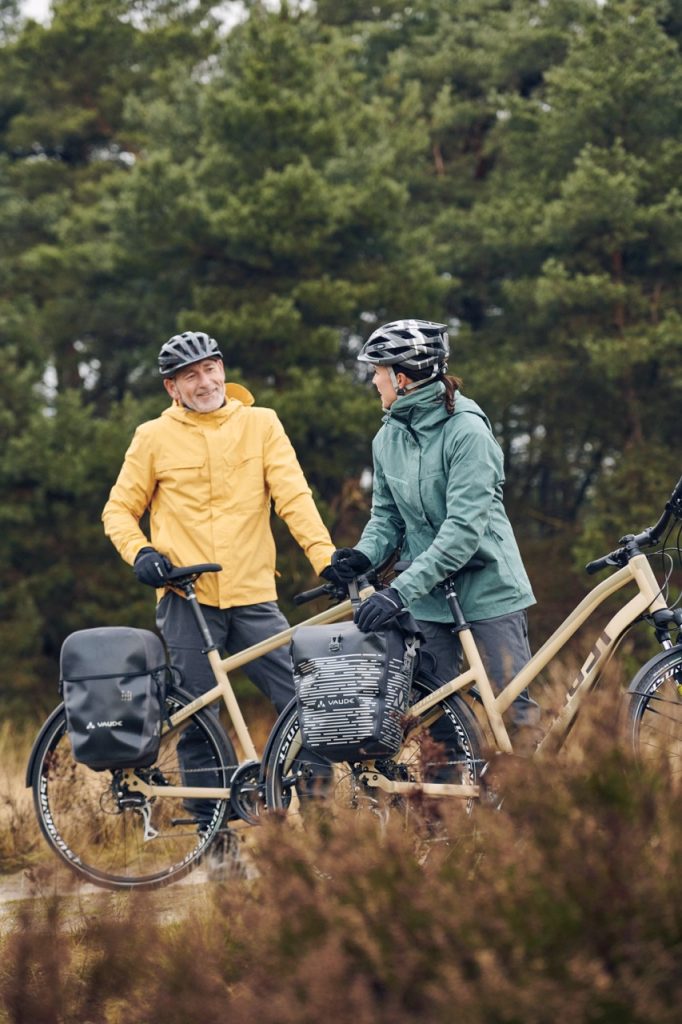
x: 310, y: 595
x: 614, y: 558
x: 631, y: 543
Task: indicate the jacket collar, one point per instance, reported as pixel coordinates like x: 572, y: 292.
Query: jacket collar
x: 236, y: 397
x: 423, y: 406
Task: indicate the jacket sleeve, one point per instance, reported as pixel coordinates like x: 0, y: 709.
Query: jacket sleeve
x: 385, y: 529
x: 292, y: 496
x: 129, y: 498
x: 474, y: 473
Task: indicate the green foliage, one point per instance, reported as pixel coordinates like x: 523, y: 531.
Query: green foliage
x: 510, y: 166
x: 56, y: 467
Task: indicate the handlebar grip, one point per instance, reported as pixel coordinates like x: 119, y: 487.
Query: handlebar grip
x: 613, y: 559
x: 310, y: 595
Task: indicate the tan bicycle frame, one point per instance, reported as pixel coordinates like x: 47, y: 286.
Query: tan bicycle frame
x: 224, y: 691
x: 648, y: 599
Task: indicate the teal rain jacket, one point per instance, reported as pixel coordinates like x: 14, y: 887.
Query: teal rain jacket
x: 438, y: 497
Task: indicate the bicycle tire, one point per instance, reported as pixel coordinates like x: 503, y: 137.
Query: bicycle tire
x: 100, y: 836
x: 655, y: 711
x: 284, y: 768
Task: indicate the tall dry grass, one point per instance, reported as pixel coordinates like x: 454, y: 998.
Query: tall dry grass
x: 562, y: 904
x: 19, y: 834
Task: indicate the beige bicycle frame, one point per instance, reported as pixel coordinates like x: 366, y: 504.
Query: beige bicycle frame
x: 647, y: 599
x: 224, y: 691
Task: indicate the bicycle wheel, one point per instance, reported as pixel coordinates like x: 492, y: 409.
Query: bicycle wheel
x: 120, y: 839
x: 655, y: 711
x: 448, y: 750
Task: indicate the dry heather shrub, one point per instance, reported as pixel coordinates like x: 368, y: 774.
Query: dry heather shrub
x: 565, y: 903
x: 19, y: 836
x: 57, y: 969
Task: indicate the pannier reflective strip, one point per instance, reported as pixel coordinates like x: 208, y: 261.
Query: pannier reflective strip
x: 352, y: 689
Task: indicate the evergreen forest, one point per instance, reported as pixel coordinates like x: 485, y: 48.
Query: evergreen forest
x: 288, y: 175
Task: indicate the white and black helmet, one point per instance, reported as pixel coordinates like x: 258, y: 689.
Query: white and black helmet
x: 184, y: 349
x: 413, y: 345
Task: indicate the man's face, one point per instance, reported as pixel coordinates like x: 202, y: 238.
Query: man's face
x: 200, y: 387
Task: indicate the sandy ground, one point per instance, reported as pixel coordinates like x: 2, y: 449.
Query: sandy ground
x: 35, y: 887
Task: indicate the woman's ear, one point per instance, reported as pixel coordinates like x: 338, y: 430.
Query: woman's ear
x: 402, y: 380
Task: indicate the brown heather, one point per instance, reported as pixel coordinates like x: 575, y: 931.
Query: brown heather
x: 19, y: 833
x: 563, y: 904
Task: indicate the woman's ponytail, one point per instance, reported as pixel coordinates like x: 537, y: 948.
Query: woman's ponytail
x: 452, y: 386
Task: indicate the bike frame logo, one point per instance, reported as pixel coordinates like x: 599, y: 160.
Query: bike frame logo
x: 601, y: 647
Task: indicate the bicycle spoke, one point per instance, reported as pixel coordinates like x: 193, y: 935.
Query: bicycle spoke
x: 120, y: 838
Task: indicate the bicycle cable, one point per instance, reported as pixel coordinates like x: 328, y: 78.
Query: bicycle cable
x: 678, y: 549
x: 664, y: 553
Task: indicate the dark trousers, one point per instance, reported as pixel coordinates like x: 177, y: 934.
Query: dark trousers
x: 232, y: 630
x: 503, y: 645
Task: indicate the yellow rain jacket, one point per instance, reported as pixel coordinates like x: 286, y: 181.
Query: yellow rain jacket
x: 208, y: 480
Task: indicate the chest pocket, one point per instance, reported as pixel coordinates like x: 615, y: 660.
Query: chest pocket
x: 245, y: 482
x: 406, y: 495
x: 179, y: 470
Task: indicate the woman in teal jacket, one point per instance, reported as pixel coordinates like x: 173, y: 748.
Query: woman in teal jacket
x: 437, y: 496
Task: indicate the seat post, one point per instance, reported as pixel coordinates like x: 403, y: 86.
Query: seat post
x: 190, y: 593
x: 455, y: 607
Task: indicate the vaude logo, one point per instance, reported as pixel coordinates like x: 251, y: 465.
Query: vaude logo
x: 338, y: 702
x: 104, y: 725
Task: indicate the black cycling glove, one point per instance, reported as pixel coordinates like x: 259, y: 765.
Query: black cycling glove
x: 151, y: 567
x: 348, y: 563
x: 378, y: 610
x: 330, y: 574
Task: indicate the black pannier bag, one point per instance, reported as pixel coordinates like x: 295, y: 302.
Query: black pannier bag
x: 352, y: 688
x: 113, y: 680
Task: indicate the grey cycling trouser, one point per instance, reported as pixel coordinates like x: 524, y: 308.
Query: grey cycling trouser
x: 503, y: 645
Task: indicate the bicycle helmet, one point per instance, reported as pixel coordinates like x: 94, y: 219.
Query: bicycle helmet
x: 419, y: 348
x: 184, y: 349
x: 415, y: 344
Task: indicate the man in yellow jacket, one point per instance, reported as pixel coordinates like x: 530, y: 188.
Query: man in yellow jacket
x: 208, y: 470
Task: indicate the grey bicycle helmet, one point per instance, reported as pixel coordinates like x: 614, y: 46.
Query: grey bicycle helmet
x: 184, y: 349
x: 415, y: 344
x: 418, y: 348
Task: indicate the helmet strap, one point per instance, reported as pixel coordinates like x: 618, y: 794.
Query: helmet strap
x: 435, y: 373
x: 394, y: 381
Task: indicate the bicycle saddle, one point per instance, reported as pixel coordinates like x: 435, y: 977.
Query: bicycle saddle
x: 182, y: 572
